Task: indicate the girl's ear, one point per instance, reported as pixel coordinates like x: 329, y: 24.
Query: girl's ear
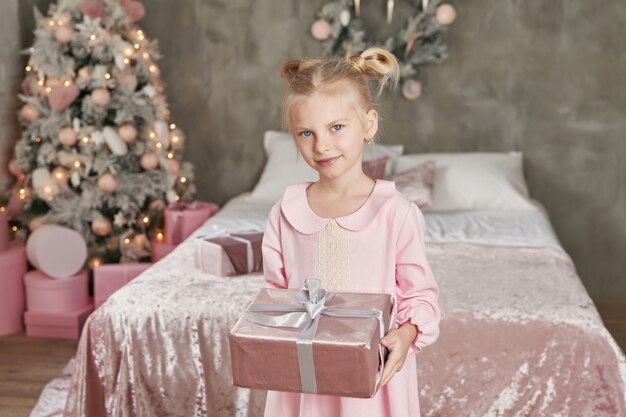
x: 371, y: 123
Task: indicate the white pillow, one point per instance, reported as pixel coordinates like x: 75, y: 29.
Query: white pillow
x: 285, y: 166
x: 474, y: 180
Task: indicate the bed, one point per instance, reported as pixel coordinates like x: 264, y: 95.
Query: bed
x: 520, y: 336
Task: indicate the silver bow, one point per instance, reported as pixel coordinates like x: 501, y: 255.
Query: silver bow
x: 313, y: 298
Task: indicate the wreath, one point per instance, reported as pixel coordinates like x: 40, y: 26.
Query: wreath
x: 341, y: 31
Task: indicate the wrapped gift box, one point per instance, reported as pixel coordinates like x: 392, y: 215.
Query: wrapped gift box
x: 45, y: 294
x: 234, y: 254
x: 12, y: 269
x: 338, y: 353
x: 160, y: 249
x: 182, y: 219
x: 109, y: 278
x: 66, y: 325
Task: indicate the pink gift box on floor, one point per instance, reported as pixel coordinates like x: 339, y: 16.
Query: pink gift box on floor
x: 12, y: 269
x: 182, y: 219
x: 293, y: 352
x: 160, y: 249
x: 66, y: 325
x: 109, y: 278
x: 50, y: 295
x: 232, y: 254
x: 4, y: 229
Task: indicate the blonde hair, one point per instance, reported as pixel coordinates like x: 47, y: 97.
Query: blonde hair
x: 362, y: 70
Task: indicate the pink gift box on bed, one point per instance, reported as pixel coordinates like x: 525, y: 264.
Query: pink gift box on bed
x: 320, y: 355
x: 109, y: 278
x: 230, y: 254
x: 67, y: 325
x: 51, y: 295
x: 182, y: 219
x: 12, y: 269
x: 160, y: 249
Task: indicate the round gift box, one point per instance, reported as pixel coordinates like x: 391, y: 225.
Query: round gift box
x: 12, y: 269
x: 46, y: 294
x: 58, y: 251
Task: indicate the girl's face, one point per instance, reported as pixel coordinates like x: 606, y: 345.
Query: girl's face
x: 329, y: 133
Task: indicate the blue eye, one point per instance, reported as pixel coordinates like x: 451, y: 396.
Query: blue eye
x: 306, y: 134
x: 337, y: 128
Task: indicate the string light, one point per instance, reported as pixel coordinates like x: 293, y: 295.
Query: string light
x: 95, y: 262
x: 146, y: 55
x: 159, y: 236
x: 172, y: 126
x: 50, y: 22
x: 22, y: 193
x: 107, y: 76
x: 76, y: 164
x: 60, y: 22
x: 2, y: 209
x: 140, y: 34
x: 126, y: 241
x: 128, y: 52
x: 126, y: 61
x: 85, y: 139
x: 48, y: 89
x: 152, y: 135
x: 38, y: 139
x: 28, y: 68
x: 159, y: 145
x: 67, y: 83
x: 92, y: 37
x: 183, y: 180
x: 175, y: 139
x: 40, y: 82
x: 137, y: 46
x: 152, y: 68
x: 47, y: 189
x: 14, y: 228
x: 146, y: 219
x: 170, y: 155
x: 177, y: 198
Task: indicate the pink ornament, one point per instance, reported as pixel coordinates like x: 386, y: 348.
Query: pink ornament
x: 83, y: 74
x: 64, y: 34
x: 173, y: 166
x: 127, y: 132
x: 411, y: 89
x: 100, y: 96
x: 29, y: 113
x: 101, y: 226
x: 14, y: 169
x: 54, y: 259
x: 149, y: 160
x: 133, y: 9
x: 67, y: 136
x: 107, y: 183
x: 61, y: 97
x: 321, y: 29
x: 445, y: 14
x: 93, y: 8
x: 157, y: 205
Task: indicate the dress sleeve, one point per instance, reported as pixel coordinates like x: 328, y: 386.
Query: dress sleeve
x: 417, y: 291
x: 273, y: 265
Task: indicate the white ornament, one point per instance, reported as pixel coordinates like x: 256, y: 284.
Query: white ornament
x: 114, y: 142
x: 76, y: 124
x: 162, y: 131
x: 344, y: 18
x: 149, y: 91
x: 75, y: 179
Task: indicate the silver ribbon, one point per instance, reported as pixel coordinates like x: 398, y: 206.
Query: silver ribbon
x: 217, y: 231
x: 313, y: 298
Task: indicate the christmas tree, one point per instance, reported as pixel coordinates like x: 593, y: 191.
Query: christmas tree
x: 98, y: 152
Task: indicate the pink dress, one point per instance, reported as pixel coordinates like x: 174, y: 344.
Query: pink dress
x: 378, y: 248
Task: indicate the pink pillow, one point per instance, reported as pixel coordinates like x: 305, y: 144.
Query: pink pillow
x: 416, y: 184
x: 375, y: 168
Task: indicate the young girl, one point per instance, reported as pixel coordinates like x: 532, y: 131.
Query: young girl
x: 351, y: 232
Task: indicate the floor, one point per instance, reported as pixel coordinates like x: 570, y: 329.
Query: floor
x: 27, y: 364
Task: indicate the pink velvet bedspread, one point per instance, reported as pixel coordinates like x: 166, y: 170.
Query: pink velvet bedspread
x: 519, y: 337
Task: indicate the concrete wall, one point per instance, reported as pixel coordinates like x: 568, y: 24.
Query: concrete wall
x: 543, y: 77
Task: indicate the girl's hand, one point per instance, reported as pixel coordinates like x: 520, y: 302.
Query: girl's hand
x: 398, y: 342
